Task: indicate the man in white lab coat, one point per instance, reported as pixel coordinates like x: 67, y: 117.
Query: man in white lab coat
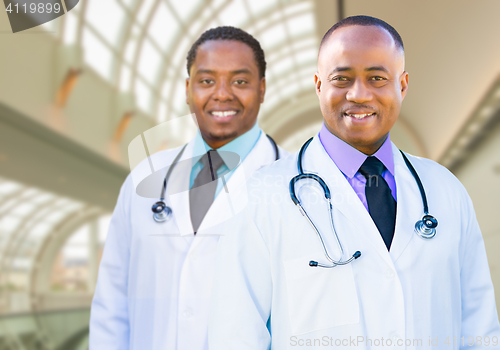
x: 155, y: 278
x: 403, y: 292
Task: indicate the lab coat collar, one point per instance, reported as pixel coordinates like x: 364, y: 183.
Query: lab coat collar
x: 226, y: 204
x: 180, y: 201
x: 242, y: 145
x: 348, y: 159
x: 408, y: 210
x: 409, y: 207
x: 344, y: 199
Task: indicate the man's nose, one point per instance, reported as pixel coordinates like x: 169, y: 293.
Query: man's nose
x: 223, y: 92
x: 359, y: 92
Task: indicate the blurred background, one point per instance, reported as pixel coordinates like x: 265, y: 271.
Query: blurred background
x: 75, y: 91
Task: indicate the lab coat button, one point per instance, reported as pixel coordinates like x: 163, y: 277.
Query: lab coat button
x: 395, y: 338
x: 187, y: 314
x: 389, y: 273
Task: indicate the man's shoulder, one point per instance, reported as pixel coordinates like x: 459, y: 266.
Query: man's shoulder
x: 427, y: 163
x: 437, y: 177
x: 283, y: 152
x: 273, y: 177
x: 429, y: 167
x: 284, y: 165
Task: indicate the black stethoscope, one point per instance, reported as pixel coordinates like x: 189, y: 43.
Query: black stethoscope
x: 425, y: 228
x: 161, y: 211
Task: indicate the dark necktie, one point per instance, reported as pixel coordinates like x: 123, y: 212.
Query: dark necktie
x: 201, y: 198
x: 381, y: 203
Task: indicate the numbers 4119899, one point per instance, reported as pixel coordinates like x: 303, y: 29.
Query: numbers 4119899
x: 34, y: 8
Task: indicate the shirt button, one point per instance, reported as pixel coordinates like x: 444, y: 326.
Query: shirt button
x: 187, y: 314
x: 389, y: 273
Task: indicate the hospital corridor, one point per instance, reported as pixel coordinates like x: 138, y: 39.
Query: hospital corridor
x: 80, y: 95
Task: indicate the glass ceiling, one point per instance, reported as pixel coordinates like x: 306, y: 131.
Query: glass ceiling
x: 140, y: 46
x: 27, y: 217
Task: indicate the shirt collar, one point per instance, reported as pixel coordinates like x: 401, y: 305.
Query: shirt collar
x: 348, y: 159
x: 242, y: 145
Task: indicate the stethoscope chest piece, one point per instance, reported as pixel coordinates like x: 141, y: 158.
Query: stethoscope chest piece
x: 161, y: 211
x: 426, y: 228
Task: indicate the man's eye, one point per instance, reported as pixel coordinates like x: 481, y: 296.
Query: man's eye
x: 206, y: 81
x: 340, y: 78
x: 240, y: 82
x: 377, y: 78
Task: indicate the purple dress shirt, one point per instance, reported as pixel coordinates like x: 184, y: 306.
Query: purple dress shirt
x: 348, y: 159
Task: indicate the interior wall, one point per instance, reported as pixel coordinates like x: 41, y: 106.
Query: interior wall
x: 94, y: 108
x: 480, y: 174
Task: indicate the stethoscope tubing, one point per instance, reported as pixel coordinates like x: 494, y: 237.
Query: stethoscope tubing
x: 419, y: 183
x: 326, y: 192
x: 425, y: 228
x: 169, y: 172
x: 166, y: 211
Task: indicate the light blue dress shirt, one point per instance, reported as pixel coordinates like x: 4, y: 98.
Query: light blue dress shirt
x: 242, y: 145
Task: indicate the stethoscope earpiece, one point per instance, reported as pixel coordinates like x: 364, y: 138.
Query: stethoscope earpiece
x: 161, y: 212
x: 426, y: 228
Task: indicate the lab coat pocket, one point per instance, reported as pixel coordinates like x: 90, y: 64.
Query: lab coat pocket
x: 320, y: 298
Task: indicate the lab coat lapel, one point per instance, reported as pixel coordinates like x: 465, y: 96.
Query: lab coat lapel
x: 344, y: 199
x: 180, y: 200
x: 409, y: 205
x: 224, y: 207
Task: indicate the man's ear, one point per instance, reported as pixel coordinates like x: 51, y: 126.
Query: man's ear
x: 187, y: 90
x: 317, y: 83
x: 404, y: 84
x: 262, y: 89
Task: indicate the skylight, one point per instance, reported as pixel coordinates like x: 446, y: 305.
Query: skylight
x: 164, y: 30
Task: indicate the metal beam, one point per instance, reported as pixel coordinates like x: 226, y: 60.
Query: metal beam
x: 340, y: 10
x: 43, y: 158
x: 478, y: 126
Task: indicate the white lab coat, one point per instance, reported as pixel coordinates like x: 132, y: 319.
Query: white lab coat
x: 155, y: 279
x: 422, y: 290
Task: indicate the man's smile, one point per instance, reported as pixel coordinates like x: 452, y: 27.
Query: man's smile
x: 359, y: 116
x: 223, y: 114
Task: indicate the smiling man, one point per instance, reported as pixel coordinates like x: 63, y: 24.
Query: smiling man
x: 225, y: 88
x: 370, y: 267
x: 155, y: 277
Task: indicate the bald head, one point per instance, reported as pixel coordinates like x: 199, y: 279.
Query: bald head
x: 353, y: 39
x: 364, y: 21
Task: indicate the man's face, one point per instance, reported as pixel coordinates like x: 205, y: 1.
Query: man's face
x: 224, y: 90
x: 361, y: 83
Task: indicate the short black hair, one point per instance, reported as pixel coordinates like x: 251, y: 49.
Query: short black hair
x: 229, y: 33
x: 365, y: 21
